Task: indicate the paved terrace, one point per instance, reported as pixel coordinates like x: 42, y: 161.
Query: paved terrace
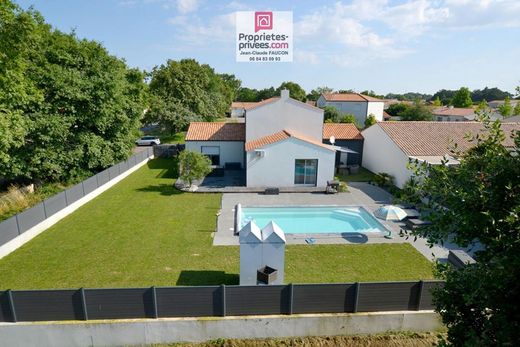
x: 360, y: 194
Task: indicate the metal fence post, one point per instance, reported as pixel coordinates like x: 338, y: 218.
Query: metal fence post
x: 17, y: 224
x: 419, y: 295
x: 291, y: 298
x: 83, y: 303
x: 356, y: 297
x: 223, y: 292
x: 11, y: 305
x: 154, y: 302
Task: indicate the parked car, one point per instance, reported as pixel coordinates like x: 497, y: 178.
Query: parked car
x: 148, y: 141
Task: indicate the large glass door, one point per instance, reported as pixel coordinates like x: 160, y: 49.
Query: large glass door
x: 306, y: 171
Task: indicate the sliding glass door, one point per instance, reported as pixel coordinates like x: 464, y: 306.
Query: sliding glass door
x: 305, y: 172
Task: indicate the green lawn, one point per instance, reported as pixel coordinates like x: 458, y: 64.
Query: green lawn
x: 363, y: 175
x: 143, y: 232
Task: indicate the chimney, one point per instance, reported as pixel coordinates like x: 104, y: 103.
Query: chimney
x: 284, y: 94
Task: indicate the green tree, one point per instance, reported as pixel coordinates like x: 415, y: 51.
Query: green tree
x: 348, y: 118
x: 316, y: 93
x: 395, y: 110
x: 446, y: 96
x: 506, y: 110
x: 295, y: 91
x: 462, y: 98
x: 266, y: 93
x: 331, y: 114
x: 417, y: 112
x: 247, y: 95
x: 479, y: 200
x: 371, y: 120
x: 516, y: 110
x: 193, y: 166
x: 372, y: 94
x: 70, y: 107
x: 437, y: 102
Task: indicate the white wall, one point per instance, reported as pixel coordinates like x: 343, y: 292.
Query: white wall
x: 381, y: 154
x: 237, y: 112
x: 284, y: 114
x: 376, y: 108
x: 276, y: 168
x: 230, y: 151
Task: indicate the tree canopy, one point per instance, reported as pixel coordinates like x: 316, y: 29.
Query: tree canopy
x: 462, y: 98
x: 417, y: 112
x: 68, y: 107
x: 477, y: 201
x: 295, y: 91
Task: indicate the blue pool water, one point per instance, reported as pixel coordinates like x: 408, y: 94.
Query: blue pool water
x: 326, y: 219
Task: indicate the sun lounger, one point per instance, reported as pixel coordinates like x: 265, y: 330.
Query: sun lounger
x: 414, y: 223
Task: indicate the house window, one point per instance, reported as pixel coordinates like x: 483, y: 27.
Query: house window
x: 306, y: 171
x: 213, y: 153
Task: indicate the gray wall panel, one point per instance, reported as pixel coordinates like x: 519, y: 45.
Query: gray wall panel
x: 113, y: 172
x: 90, y: 184
x: 5, y: 310
x: 74, y: 193
x: 189, y: 301
x: 323, y: 298
x: 427, y: 297
x: 8, y: 230
x: 119, y: 303
x: 45, y: 305
x: 390, y: 296
x: 29, y: 218
x: 55, y: 204
x: 257, y: 300
x: 102, y: 177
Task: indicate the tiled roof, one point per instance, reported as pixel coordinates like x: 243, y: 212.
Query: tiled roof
x: 437, y: 138
x: 216, y: 131
x: 341, y: 131
x: 386, y: 116
x: 263, y: 102
x: 280, y: 136
x: 453, y: 111
x: 349, y: 97
x: 244, y: 105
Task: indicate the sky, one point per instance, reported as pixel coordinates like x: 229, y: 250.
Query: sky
x: 380, y: 45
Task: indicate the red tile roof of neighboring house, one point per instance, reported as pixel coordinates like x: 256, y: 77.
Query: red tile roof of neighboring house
x: 280, y: 136
x: 386, y: 116
x: 244, y: 105
x: 216, y: 131
x: 437, y: 138
x: 349, y: 97
x: 341, y: 131
x: 453, y: 111
x: 311, y: 102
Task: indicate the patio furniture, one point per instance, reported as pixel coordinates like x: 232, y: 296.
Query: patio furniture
x: 332, y: 187
x: 459, y: 258
x: 353, y: 169
x: 411, y: 213
x: 266, y: 275
x: 390, y: 212
x: 414, y: 223
x: 271, y: 191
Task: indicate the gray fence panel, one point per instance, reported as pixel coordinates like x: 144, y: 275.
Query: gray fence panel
x: 29, y: 218
x: 113, y: 172
x: 55, y: 204
x: 257, y: 300
x: 390, y: 296
x: 46, y: 305
x: 427, y: 297
x: 189, y: 301
x: 123, y: 166
x: 103, y: 177
x: 74, y: 193
x: 90, y: 184
x: 5, y: 310
x: 131, y: 161
x: 119, y: 303
x: 323, y: 298
x: 8, y: 230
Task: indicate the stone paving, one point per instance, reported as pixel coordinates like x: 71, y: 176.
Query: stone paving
x: 360, y: 194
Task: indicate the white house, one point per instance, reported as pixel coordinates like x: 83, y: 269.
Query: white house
x: 281, y: 143
x: 361, y: 106
x: 389, y: 146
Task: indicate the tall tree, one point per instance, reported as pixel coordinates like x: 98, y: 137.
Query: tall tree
x: 437, y: 102
x: 295, y: 91
x: 479, y: 200
x: 395, y: 110
x: 506, y: 110
x: 247, y: 95
x: 417, y: 112
x: 371, y: 120
x: 462, y: 98
x: 315, y: 93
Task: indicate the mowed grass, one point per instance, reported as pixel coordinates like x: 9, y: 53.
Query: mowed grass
x: 143, y: 232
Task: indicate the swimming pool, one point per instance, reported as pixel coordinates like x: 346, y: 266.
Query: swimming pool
x: 313, y: 220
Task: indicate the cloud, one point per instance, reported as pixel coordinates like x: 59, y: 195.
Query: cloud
x: 186, y: 6
x: 195, y: 31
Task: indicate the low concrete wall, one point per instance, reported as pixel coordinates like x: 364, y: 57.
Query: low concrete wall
x: 170, y: 330
x: 22, y: 239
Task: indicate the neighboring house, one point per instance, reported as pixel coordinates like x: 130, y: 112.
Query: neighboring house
x: 361, y: 106
x: 239, y: 108
x: 496, y: 103
x: 279, y: 145
x: 348, y: 137
x: 514, y: 119
x: 389, y: 146
x: 453, y: 114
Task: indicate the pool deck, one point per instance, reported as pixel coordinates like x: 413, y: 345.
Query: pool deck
x: 360, y: 194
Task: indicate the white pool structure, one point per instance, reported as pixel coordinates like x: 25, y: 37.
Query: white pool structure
x: 312, y: 219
